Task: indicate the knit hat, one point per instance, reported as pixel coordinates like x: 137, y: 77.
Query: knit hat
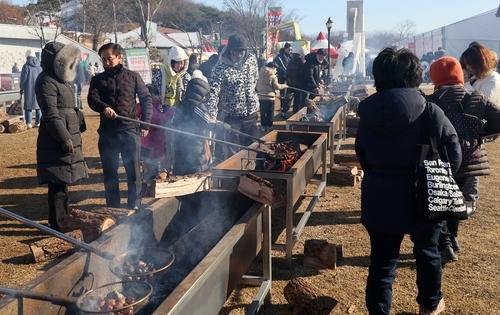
x: 236, y: 42
x: 30, y: 53
x: 446, y: 71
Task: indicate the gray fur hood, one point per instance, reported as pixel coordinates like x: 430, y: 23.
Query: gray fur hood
x: 60, y: 60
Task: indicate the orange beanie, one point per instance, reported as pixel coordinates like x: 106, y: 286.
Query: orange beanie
x: 446, y: 71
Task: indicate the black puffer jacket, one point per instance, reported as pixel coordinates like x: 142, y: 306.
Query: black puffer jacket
x: 191, y: 115
x: 311, y: 73
x: 390, y: 129
x: 59, y: 119
x: 450, y: 99
x: 293, y: 72
x: 117, y: 88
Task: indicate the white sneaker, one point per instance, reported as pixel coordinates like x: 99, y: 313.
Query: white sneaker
x: 29, y: 126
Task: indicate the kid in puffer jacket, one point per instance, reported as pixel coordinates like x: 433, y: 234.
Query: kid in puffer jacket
x: 154, y: 145
x: 266, y: 87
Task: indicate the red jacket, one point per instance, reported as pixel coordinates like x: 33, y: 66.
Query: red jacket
x: 156, y: 139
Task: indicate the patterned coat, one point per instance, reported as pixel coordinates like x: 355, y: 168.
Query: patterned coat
x: 232, y: 88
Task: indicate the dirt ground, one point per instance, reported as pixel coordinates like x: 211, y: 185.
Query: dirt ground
x: 470, y: 286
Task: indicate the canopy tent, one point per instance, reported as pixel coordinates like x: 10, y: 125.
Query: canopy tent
x: 322, y: 43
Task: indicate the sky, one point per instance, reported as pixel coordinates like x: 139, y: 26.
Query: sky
x: 380, y: 15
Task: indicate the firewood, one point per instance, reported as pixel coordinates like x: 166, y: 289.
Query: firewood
x: 53, y: 247
x: 17, y: 127
x: 9, y: 121
x: 307, y: 298
x: 256, y: 188
x: 347, y: 160
x: 118, y: 214
x: 92, y: 225
x: 173, y: 186
x: 3, y: 116
x: 320, y: 254
x: 2, y: 128
x: 342, y: 175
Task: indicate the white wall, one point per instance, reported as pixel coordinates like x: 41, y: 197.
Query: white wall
x: 14, y: 50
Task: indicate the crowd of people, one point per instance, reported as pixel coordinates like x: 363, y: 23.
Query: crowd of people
x: 229, y: 90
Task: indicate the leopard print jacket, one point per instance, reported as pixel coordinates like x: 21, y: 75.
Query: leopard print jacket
x: 232, y: 88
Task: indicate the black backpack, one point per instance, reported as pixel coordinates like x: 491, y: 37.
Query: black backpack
x: 468, y: 127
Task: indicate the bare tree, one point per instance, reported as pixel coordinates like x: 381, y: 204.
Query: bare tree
x: 44, y: 19
x: 143, y: 12
x: 248, y: 19
x: 406, y: 29
x: 380, y: 40
x: 98, y: 18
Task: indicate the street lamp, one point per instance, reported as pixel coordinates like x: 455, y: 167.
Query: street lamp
x: 329, y: 25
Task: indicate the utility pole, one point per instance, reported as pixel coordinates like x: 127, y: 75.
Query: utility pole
x: 114, y: 22
x: 329, y: 25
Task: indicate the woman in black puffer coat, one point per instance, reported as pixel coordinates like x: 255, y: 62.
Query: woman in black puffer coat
x: 59, y: 146
x: 450, y: 95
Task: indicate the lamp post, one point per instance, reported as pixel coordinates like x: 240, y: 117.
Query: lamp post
x: 329, y: 25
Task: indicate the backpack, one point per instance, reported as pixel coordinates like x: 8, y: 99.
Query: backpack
x: 468, y: 127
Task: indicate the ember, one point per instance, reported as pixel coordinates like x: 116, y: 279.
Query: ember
x: 283, y: 156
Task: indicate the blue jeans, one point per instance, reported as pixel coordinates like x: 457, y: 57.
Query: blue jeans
x: 384, y: 258
x: 28, y: 116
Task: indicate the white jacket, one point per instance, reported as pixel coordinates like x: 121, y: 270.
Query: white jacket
x: 489, y: 86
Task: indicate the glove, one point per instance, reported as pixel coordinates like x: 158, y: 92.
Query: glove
x: 67, y: 146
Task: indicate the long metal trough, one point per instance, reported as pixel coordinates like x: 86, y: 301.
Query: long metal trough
x: 215, y: 236
x: 291, y: 183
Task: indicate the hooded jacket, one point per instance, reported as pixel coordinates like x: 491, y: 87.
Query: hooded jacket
x: 117, y: 88
x: 232, y: 87
x: 311, y: 73
x: 281, y: 61
x: 450, y: 100
x: 390, y: 129
x: 268, y: 84
x: 176, y: 82
x: 30, y: 72
x: 294, y: 71
x: 60, y: 122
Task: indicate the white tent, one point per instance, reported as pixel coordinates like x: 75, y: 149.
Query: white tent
x: 321, y: 42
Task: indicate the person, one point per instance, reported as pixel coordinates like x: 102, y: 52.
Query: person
x: 79, y: 82
x: 439, y: 53
x: 194, y: 63
x: 59, y: 152
x: 450, y: 95
x: 113, y: 93
x: 207, y: 66
x: 84, y: 66
x: 192, y: 155
x: 232, y: 98
x: 153, y: 146
x: 30, y: 72
x: 311, y: 72
x: 15, y: 68
x: 348, y: 63
x: 390, y: 128
x: 177, y: 76
x: 480, y: 63
x: 266, y: 87
x: 281, y: 61
x: 294, y: 80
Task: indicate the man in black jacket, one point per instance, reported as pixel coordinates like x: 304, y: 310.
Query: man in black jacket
x: 281, y: 61
x: 311, y: 72
x: 113, y: 93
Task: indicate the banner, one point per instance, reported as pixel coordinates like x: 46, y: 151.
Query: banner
x: 138, y: 60
x: 274, y: 15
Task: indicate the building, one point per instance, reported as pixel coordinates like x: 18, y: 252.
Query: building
x: 15, y: 40
x: 456, y: 37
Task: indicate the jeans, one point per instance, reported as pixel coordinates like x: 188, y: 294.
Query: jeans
x: 28, y: 116
x: 468, y: 186
x: 382, y: 272
x: 58, y: 204
x: 266, y: 113
x: 111, y: 145
x: 78, y: 95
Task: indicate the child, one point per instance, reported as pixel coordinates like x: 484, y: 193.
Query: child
x: 153, y: 146
x: 266, y: 87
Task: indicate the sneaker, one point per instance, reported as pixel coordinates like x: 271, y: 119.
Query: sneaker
x: 471, y: 207
x: 37, y: 125
x: 455, y: 245
x: 448, y: 255
x: 29, y: 126
x: 438, y: 310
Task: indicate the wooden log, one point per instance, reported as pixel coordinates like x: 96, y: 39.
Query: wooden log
x: 256, y: 188
x: 181, y: 186
x: 17, y: 127
x: 53, y: 247
x: 2, y: 128
x: 320, y: 254
x: 9, y: 121
x: 92, y: 225
x: 118, y: 214
x: 347, y: 160
x: 307, y: 298
x: 3, y: 116
x: 342, y: 175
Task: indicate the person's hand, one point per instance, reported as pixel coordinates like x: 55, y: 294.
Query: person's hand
x: 67, y: 146
x: 316, y: 91
x: 109, y: 113
x: 285, y: 86
x: 144, y: 133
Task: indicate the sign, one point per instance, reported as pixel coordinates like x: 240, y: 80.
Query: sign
x: 138, y: 60
x: 274, y: 15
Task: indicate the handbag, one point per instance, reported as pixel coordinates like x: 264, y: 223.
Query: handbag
x: 81, y: 120
x: 438, y: 196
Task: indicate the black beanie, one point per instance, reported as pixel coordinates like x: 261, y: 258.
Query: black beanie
x: 237, y: 42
